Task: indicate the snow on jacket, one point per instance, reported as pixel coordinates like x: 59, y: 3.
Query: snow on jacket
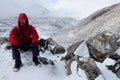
x: 28, y: 32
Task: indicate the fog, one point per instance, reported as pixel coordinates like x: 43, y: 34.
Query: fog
x: 59, y: 8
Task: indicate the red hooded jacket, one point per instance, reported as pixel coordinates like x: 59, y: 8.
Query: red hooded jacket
x: 29, y: 32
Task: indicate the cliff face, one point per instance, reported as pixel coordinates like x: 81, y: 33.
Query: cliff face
x: 105, y: 19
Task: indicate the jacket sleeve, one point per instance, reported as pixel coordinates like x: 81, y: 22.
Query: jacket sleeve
x: 34, y: 35
x: 12, y: 37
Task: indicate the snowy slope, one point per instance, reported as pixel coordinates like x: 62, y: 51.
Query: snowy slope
x: 46, y: 72
x: 105, y: 19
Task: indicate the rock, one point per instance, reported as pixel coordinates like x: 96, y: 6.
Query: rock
x: 115, y: 68
x: 70, y: 56
x: 68, y: 60
x: 3, y: 40
x: 58, y: 49
x: 46, y: 61
x: 8, y: 46
x: 73, y: 47
x: 102, y: 45
x: 90, y: 68
x: 115, y: 56
x: 51, y: 41
x: 86, y: 64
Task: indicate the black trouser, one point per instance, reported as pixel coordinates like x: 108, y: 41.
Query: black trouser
x: 24, y: 47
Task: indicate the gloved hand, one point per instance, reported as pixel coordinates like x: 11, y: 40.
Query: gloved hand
x: 24, y: 47
x: 32, y: 45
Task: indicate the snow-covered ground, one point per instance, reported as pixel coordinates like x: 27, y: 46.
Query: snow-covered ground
x: 47, y: 72
x: 51, y: 27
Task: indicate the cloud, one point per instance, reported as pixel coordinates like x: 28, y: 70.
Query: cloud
x: 64, y: 8
x: 81, y: 8
x: 14, y: 7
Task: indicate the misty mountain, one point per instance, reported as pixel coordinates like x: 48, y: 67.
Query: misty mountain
x: 50, y: 26
x: 14, y: 8
x: 107, y: 18
x: 35, y: 10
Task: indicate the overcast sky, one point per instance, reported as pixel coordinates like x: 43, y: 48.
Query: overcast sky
x: 67, y: 8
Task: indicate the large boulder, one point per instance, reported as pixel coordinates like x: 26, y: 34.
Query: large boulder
x: 90, y: 68
x: 103, y: 45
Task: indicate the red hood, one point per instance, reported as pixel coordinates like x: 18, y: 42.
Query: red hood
x: 22, y: 16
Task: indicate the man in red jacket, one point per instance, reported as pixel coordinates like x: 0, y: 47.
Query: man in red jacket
x: 23, y: 37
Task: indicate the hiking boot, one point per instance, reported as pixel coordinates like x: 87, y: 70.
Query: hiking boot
x: 35, y: 60
x: 17, y: 65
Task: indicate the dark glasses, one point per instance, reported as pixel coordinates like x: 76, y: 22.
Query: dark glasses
x: 23, y: 21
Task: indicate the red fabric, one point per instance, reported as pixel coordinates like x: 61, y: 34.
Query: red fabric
x: 22, y: 16
x: 14, y: 38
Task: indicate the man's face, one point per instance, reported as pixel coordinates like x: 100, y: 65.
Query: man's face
x: 23, y: 23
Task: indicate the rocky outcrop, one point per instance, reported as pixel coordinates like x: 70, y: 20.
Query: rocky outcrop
x: 90, y: 68
x: 103, y: 45
x: 86, y: 64
x: 70, y: 56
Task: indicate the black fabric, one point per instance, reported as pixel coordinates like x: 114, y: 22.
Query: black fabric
x: 24, y: 47
x: 35, y: 50
x: 15, y: 52
x: 17, y: 63
x: 35, y: 60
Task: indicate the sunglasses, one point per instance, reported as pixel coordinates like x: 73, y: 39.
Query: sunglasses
x: 23, y: 21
